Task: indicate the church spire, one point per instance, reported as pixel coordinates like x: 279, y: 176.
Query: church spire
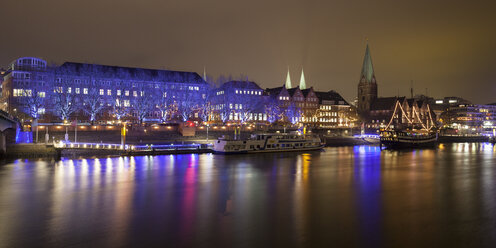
x: 367, y: 68
x: 204, y: 73
x: 303, y: 84
x: 288, y: 81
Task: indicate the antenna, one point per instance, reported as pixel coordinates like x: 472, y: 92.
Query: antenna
x: 411, y: 89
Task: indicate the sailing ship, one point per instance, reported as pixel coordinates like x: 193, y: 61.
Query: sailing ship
x: 414, y: 134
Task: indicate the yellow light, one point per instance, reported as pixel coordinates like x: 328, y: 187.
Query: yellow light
x: 97, y: 146
x: 84, y: 145
x: 223, y: 127
x: 169, y: 127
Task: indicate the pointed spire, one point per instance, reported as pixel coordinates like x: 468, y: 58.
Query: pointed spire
x: 303, y: 84
x: 288, y: 81
x: 204, y: 73
x: 367, y: 68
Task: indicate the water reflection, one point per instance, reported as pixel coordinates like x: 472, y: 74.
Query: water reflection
x: 344, y: 196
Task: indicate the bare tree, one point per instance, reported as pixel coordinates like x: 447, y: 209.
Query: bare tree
x: 33, y: 102
x: 143, y: 102
x: 93, y: 104
x: 118, y: 109
x: 273, y: 111
x: 293, y: 113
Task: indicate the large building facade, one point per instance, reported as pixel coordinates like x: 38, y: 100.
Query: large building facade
x: 87, y: 91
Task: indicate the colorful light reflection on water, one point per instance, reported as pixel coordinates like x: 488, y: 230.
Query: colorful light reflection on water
x: 343, y: 196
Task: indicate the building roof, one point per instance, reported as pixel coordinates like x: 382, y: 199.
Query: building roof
x: 131, y: 72
x: 385, y: 103
x: 293, y: 90
x: 367, y: 68
x: 273, y: 91
x: 241, y: 85
x: 303, y: 84
x: 330, y: 96
x: 288, y: 81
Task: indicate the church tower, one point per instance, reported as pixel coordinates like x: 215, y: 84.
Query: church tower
x: 367, y: 87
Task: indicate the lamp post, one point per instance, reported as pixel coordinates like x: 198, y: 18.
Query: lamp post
x: 123, y: 135
x: 66, y: 130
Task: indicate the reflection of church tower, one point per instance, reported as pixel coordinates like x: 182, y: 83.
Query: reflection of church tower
x: 367, y: 88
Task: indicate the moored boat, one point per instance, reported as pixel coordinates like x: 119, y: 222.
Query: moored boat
x: 408, y: 139
x: 277, y: 142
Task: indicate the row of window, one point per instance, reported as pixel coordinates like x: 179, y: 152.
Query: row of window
x: 247, y: 92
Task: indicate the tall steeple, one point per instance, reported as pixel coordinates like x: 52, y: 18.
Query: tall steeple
x: 367, y: 87
x: 288, y: 81
x: 303, y: 84
x: 367, y: 67
x: 204, y: 73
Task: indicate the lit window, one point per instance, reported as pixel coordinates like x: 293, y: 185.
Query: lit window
x: 41, y: 94
x: 77, y: 91
x: 85, y: 91
x: 135, y: 94
x: 126, y: 103
x: 101, y: 92
x: 165, y: 94
x: 236, y: 91
x: 41, y: 111
x: 127, y: 93
x: 118, y: 92
x: 142, y: 93
x: 109, y: 92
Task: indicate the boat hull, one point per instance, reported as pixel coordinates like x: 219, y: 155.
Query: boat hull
x: 399, y: 140
x: 269, y: 150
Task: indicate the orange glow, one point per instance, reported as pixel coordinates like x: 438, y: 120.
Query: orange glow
x: 223, y: 127
x: 169, y: 127
x: 59, y: 127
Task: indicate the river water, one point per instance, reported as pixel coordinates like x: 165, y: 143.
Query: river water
x: 340, y: 197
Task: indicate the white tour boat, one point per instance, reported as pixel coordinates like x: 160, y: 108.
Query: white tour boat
x: 277, y: 142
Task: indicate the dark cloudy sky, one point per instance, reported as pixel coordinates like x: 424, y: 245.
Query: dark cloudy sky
x: 448, y: 47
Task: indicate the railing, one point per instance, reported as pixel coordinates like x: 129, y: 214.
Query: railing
x: 91, y: 146
x: 151, y: 147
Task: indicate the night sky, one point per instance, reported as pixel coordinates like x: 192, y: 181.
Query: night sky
x: 448, y: 47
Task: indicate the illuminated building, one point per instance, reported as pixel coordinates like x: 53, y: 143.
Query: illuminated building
x: 334, y: 111
x: 469, y: 119
x: 140, y: 92
x: 239, y: 101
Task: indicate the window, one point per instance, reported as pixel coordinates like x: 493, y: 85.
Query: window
x: 101, y: 92
x: 41, y: 111
x: 69, y: 90
x: 127, y: 93
x: 77, y: 91
x: 165, y: 94
x: 118, y: 92
x: 85, y: 91
x: 126, y: 103
x: 41, y: 94
x: 135, y: 94
x: 109, y: 92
